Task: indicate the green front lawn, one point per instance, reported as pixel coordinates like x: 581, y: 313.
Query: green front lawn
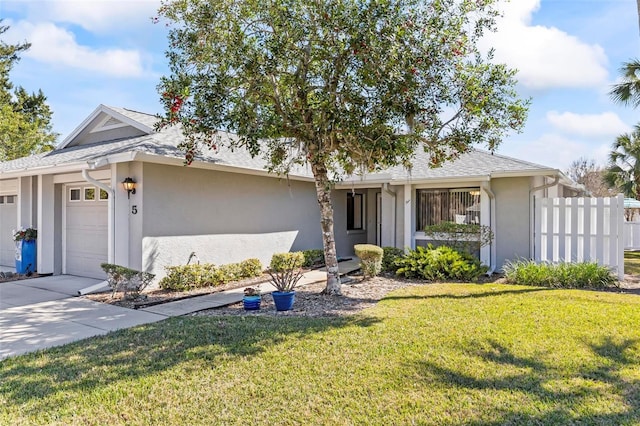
x: 435, y: 354
x: 632, y: 262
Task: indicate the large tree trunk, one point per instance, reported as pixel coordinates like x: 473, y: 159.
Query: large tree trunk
x: 323, y: 191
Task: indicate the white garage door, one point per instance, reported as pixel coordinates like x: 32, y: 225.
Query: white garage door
x: 86, y: 234
x: 8, y: 222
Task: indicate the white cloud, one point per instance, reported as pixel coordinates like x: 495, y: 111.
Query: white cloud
x: 546, y: 57
x: 555, y: 150
x: 58, y: 47
x: 605, y: 125
x: 98, y: 16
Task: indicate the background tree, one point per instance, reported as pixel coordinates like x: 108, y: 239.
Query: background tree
x: 25, y: 119
x: 342, y: 86
x: 587, y: 173
x: 623, y: 171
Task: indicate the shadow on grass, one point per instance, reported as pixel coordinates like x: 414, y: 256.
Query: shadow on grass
x: 566, y: 404
x: 149, y: 349
x: 479, y: 295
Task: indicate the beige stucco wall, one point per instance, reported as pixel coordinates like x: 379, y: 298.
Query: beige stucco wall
x: 512, y: 218
x: 223, y: 217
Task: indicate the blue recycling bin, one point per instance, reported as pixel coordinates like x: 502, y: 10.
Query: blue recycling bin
x: 25, y: 257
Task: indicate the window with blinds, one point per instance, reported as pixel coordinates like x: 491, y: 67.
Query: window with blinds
x: 459, y: 205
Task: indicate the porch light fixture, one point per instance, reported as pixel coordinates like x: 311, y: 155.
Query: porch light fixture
x: 474, y: 192
x: 129, y: 185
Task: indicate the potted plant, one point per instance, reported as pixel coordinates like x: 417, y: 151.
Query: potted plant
x: 251, y: 299
x: 285, y: 271
x: 25, y: 239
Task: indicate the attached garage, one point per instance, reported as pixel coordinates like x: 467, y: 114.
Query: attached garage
x: 86, y: 230
x: 8, y: 222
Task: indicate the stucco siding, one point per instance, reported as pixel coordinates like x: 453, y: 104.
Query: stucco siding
x: 512, y: 218
x: 223, y: 217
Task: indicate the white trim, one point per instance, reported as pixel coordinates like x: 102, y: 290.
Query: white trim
x: 101, y: 125
x: 103, y: 109
x: 64, y: 229
x: 69, y: 194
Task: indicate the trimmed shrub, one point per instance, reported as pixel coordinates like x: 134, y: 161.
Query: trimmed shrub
x: 389, y: 257
x: 285, y: 270
x: 190, y: 277
x: 438, y: 264
x: 313, y: 257
x: 370, y: 259
x: 559, y: 275
x: 467, y: 237
x: 129, y: 281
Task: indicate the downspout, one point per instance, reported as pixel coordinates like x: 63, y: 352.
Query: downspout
x: 532, y: 219
x: 492, y: 222
x: 392, y: 194
x: 112, y: 206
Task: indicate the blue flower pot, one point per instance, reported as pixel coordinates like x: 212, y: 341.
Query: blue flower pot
x: 251, y: 303
x: 283, y: 300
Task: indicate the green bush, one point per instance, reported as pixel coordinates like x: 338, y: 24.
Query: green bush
x: 467, y: 237
x: 189, y: 277
x: 559, y: 275
x: 285, y: 270
x: 389, y: 257
x: 438, y: 264
x: 129, y: 281
x: 313, y: 257
x: 370, y: 259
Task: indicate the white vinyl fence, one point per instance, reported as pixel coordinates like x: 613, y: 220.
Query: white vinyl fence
x: 632, y: 235
x: 580, y: 230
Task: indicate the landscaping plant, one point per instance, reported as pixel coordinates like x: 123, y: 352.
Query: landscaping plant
x: 467, y: 237
x: 559, y: 275
x: 193, y: 276
x: 370, y: 259
x: 439, y: 264
x: 285, y: 270
x: 389, y: 257
x: 129, y: 281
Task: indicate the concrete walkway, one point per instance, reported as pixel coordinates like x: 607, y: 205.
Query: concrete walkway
x: 43, y: 312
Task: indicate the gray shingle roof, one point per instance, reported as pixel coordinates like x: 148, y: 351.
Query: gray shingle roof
x: 164, y: 144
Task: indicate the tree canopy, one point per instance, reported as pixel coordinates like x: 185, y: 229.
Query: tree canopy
x: 623, y: 171
x: 587, y: 173
x: 25, y: 118
x: 344, y: 86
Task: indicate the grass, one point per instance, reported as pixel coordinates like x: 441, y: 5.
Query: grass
x: 632, y: 262
x: 443, y: 354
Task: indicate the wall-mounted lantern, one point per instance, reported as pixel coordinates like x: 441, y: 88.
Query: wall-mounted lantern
x: 129, y: 185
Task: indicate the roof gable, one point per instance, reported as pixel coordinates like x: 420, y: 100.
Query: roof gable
x: 106, y: 123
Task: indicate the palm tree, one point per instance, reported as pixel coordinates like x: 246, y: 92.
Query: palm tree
x: 623, y: 171
x: 628, y: 91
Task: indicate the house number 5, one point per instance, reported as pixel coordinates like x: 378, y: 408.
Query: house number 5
x: 134, y: 209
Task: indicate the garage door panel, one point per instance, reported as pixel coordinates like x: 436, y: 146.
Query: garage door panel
x: 86, y: 237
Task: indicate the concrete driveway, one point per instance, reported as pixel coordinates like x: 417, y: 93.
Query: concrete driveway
x: 42, y: 312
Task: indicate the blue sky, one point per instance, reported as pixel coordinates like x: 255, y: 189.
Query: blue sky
x: 568, y: 52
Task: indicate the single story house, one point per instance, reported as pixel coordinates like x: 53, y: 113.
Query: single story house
x: 225, y: 207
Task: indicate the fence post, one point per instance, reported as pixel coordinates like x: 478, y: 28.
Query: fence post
x: 620, y: 242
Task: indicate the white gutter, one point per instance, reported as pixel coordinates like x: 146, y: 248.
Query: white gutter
x: 111, y: 255
x: 493, y: 255
x: 532, y: 218
x: 385, y: 188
